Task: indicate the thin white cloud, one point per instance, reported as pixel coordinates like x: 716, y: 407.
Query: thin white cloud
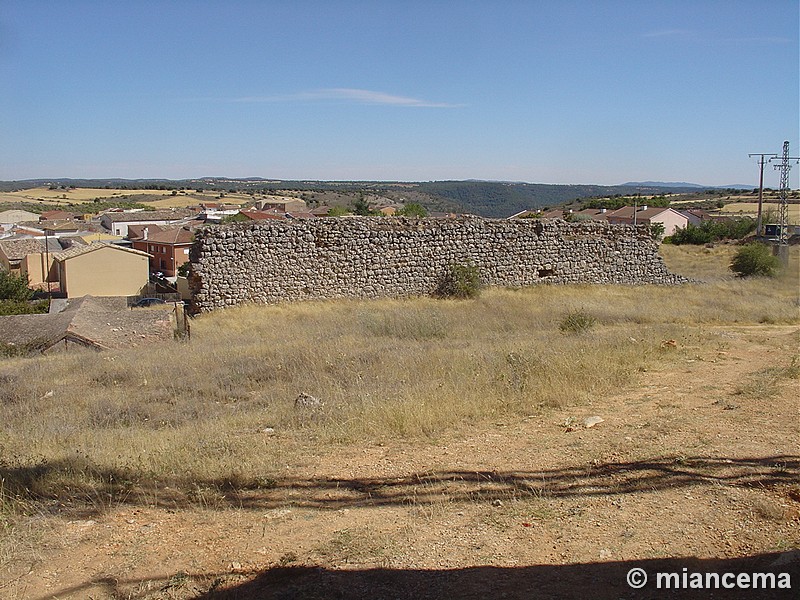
x: 353, y: 95
x: 666, y: 33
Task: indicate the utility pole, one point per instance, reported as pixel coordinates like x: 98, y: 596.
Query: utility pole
x: 783, y: 237
x: 761, y: 163
x: 47, y: 265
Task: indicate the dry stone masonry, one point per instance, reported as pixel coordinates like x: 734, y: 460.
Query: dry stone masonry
x: 373, y: 257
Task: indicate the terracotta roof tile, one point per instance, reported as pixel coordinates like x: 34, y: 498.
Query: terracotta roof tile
x: 179, y: 235
x: 81, y: 250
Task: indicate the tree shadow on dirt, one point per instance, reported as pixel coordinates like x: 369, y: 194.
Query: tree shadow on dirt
x: 601, y: 581
x: 82, y: 490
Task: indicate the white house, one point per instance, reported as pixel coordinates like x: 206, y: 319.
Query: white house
x: 670, y: 218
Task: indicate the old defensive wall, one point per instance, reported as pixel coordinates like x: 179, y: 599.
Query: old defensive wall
x: 371, y: 257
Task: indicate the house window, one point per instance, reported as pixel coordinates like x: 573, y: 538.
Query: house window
x: 152, y: 248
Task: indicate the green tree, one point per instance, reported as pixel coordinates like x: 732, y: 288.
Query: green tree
x: 338, y: 211
x: 712, y: 231
x: 360, y: 207
x: 413, y: 209
x: 460, y: 281
x: 14, y: 287
x: 755, y: 259
x: 237, y: 218
x: 15, y: 296
x: 656, y: 230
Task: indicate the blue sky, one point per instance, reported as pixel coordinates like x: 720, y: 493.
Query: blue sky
x: 598, y: 91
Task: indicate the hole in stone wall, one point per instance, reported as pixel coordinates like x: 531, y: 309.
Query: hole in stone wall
x: 546, y: 272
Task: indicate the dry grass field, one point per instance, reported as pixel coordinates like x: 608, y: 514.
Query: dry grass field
x: 72, y: 195
x: 450, y: 432
x: 80, y: 195
x: 771, y: 208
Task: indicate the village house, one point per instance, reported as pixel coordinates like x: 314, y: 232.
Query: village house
x: 696, y: 215
x: 321, y: 211
x: 58, y: 228
x: 8, y: 217
x: 102, y: 270
x: 13, y: 252
x: 213, y: 212
x: 26, y: 229
x: 262, y: 215
x: 284, y: 205
x: 40, y: 267
x: 670, y: 218
x: 168, y: 248
x: 56, y: 215
x: 118, y: 222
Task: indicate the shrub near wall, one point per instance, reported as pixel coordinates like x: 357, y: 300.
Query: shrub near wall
x: 364, y: 257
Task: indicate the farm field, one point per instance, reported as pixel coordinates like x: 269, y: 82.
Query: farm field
x: 751, y: 209
x: 72, y: 195
x: 456, y: 454
x: 163, y: 198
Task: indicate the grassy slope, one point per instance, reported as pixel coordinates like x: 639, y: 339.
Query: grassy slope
x: 160, y: 423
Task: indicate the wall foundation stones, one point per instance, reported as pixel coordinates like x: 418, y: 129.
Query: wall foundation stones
x: 372, y: 257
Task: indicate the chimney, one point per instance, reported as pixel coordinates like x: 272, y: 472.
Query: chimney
x: 144, y: 233
x: 603, y: 211
x: 644, y: 207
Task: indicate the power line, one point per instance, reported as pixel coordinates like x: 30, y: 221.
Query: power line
x: 761, y: 163
x: 783, y: 237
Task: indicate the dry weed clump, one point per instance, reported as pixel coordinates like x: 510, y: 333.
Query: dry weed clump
x: 198, y: 422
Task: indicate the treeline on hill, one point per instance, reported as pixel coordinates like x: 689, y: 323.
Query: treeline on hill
x: 500, y: 199
x: 713, y: 231
x: 618, y: 201
x: 76, y: 207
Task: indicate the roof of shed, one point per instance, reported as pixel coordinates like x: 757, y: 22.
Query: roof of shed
x: 98, y: 323
x: 81, y: 250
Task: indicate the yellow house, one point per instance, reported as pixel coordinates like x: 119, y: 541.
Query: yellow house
x: 39, y: 268
x: 102, y: 270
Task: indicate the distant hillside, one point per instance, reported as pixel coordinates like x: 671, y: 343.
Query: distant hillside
x: 686, y: 186
x: 497, y: 199
x: 484, y: 198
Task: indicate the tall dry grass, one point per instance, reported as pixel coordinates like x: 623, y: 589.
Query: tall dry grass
x: 188, y: 422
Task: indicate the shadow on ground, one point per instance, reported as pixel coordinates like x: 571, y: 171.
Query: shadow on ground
x: 601, y: 581
x: 83, y: 490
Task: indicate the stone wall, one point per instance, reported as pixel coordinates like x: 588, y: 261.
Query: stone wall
x: 371, y: 257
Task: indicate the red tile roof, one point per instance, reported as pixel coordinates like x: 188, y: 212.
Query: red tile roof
x: 52, y: 215
x: 137, y: 231
x: 178, y: 236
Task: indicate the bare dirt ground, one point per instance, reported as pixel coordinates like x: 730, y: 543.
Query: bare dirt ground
x: 695, y: 467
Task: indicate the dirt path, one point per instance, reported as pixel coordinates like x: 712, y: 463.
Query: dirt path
x: 701, y: 459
